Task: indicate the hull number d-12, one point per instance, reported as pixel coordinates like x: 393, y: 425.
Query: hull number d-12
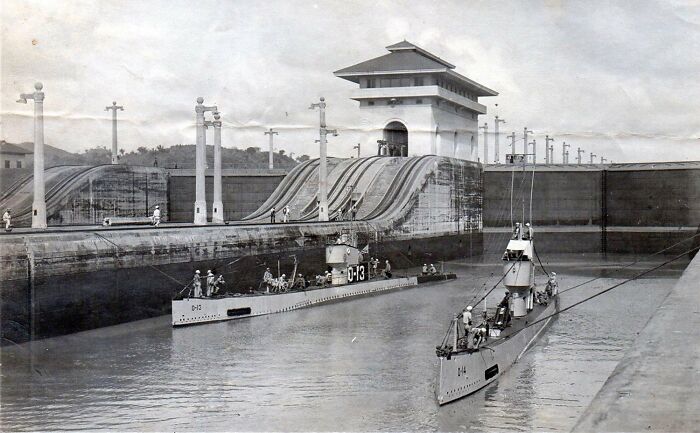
x: 358, y: 272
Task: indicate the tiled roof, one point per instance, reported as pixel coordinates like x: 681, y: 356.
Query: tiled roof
x: 405, y: 57
x: 395, y: 61
x: 6, y: 147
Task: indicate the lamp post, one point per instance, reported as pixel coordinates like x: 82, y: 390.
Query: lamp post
x: 534, y: 151
x: 358, y: 150
x: 579, y: 151
x: 271, y: 163
x: 512, y: 142
x: 551, y: 153
x: 525, y: 132
x: 217, y: 215
x: 496, y: 157
x: 486, y: 142
x: 547, y: 139
x: 200, y: 201
x: 593, y: 155
x: 39, y: 203
x: 564, y: 153
x: 323, y: 175
x: 113, y: 109
x: 602, y: 160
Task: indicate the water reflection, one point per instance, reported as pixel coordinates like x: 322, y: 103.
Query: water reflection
x: 367, y: 364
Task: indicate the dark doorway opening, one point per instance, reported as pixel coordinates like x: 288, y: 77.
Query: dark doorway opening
x: 396, y: 138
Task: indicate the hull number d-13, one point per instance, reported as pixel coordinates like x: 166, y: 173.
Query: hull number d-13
x: 358, y: 272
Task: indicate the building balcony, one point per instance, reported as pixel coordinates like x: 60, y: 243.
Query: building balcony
x: 417, y: 92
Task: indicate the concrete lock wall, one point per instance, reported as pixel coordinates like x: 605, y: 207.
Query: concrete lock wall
x: 243, y: 191
x: 559, y: 198
x: 654, y: 197
x: 619, y: 208
x: 61, y: 282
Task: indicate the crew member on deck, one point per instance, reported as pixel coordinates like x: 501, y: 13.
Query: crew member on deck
x: 528, y: 233
x: 267, y: 279
x: 432, y: 269
x: 272, y: 215
x: 197, y: 284
x: 424, y: 271
x: 485, y: 323
x: 218, y: 282
x: 503, y: 315
x: 552, y: 287
x: 210, y: 283
x: 467, y: 320
x: 516, y: 232
x: 285, y: 214
x: 387, y: 269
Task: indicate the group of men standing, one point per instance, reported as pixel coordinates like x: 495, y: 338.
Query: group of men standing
x: 213, y: 283
x: 523, y: 235
x: 285, y: 215
x: 474, y: 335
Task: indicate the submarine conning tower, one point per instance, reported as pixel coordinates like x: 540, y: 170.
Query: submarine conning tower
x: 519, y: 271
x: 421, y: 105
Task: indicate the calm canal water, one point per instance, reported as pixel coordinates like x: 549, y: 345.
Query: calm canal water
x: 365, y: 364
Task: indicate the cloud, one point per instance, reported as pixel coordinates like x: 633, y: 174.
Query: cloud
x: 615, y: 76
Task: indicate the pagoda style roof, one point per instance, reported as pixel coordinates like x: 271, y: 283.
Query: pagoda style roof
x: 407, y: 58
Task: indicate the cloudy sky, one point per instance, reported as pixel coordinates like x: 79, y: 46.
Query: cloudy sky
x: 616, y: 78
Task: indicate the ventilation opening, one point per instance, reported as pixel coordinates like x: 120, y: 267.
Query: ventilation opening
x: 238, y: 311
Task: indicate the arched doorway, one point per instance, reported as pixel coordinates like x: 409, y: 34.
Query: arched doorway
x: 396, y: 137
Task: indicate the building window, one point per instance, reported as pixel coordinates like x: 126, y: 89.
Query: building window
x: 371, y: 83
x: 418, y: 81
x: 7, y: 164
x: 19, y: 164
x: 396, y: 82
x: 370, y: 102
x: 405, y: 82
x: 385, y: 82
x: 419, y: 101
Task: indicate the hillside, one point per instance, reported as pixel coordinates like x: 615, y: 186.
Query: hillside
x: 180, y: 156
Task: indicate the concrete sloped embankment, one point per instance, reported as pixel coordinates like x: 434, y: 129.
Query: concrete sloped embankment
x: 87, y: 194
x: 655, y: 386
x: 62, y: 282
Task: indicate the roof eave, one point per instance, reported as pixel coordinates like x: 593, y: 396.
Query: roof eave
x: 485, y: 91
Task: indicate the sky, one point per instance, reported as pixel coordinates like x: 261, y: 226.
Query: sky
x: 619, y: 79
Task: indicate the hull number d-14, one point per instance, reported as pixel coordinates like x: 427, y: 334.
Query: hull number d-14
x: 358, y: 272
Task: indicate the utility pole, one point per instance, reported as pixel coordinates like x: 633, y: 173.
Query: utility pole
x: 579, y: 151
x: 486, y: 142
x: 200, y: 200
x: 358, y: 150
x: 547, y: 139
x: 217, y: 215
x: 564, y: 153
x: 39, y: 203
x: 512, y: 142
x: 497, y: 157
x: 114, y: 108
x: 534, y: 151
x: 271, y: 163
x: 602, y: 160
x: 525, y: 132
x: 323, y: 175
x: 551, y: 153
x: 593, y: 155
